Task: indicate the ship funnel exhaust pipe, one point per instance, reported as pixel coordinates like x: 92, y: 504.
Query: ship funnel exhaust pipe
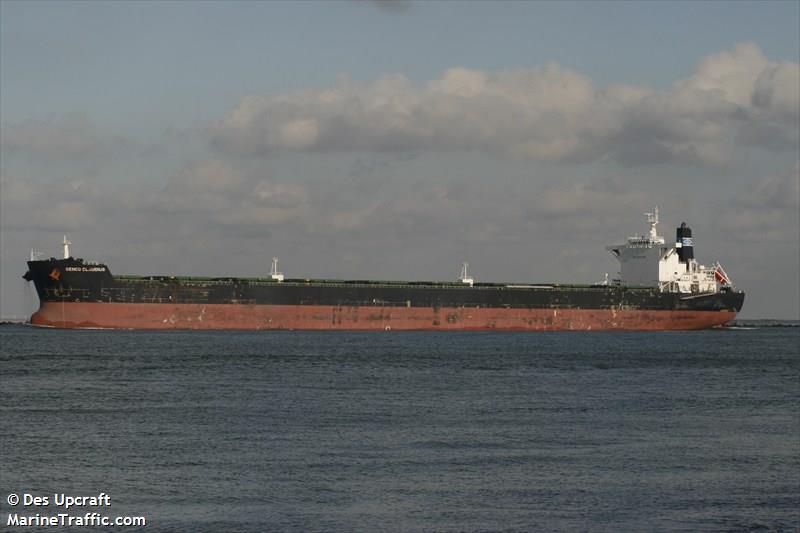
x: 684, y: 243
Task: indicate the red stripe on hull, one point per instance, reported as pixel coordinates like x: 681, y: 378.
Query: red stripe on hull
x: 256, y: 317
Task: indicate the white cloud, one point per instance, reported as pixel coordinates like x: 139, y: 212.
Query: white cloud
x: 548, y: 113
x: 730, y: 74
x: 777, y: 92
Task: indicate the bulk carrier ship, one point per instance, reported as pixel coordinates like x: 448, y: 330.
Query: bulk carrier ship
x: 660, y: 287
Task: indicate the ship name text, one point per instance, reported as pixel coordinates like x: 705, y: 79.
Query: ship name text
x: 86, y: 269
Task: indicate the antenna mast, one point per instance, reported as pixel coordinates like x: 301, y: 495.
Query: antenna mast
x: 66, y: 244
x: 652, y: 219
x: 273, y: 272
x: 464, y: 278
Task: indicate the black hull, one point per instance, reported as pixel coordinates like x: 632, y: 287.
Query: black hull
x: 71, y: 280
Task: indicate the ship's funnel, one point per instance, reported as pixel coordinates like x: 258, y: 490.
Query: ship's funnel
x: 684, y: 243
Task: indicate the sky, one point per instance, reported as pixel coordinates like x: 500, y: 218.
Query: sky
x: 394, y: 140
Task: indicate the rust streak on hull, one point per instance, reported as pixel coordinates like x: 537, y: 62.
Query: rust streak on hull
x: 317, y: 317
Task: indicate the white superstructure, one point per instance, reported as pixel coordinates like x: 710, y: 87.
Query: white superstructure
x: 648, y: 260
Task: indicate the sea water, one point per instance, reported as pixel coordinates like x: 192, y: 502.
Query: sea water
x: 331, y: 431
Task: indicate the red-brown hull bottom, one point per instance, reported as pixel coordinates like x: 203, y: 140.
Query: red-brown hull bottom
x: 307, y: 317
